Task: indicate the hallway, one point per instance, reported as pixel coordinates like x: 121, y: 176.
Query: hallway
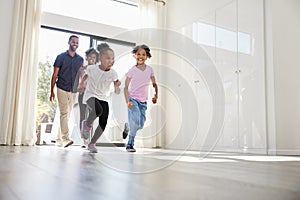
x: 48, y: 172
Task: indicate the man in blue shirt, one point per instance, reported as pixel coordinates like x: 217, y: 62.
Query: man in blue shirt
x: 66, y: 76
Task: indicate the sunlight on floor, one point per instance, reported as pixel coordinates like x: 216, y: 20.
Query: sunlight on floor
x: 185, y: 156
x: 192, y: 159
x: 263, y: 158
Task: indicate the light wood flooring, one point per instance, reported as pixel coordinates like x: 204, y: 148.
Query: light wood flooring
x: 47, y: 172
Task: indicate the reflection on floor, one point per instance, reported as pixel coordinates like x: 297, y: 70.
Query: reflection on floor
x: 48, y: 172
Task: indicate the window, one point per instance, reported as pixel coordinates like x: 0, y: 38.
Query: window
x: 213, y: 36
x: 54, y: 41
x: 118, y: 13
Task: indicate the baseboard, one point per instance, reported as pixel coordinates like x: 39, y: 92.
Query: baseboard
x: 233, y: 150
x: 110, y: 144
x: 272, y: 152
x: 288, y: 152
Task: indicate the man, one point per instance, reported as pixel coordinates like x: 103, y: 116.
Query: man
x: 65, y: 76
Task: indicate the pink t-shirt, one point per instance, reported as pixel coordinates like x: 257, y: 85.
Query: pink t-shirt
x: 139, y: 84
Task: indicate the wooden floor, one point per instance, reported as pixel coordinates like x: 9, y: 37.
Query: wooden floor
x: 48, y: 172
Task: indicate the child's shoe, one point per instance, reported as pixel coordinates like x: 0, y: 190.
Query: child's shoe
x: 84, y: 143
x: 130, y: 148
x: 85, y: 131
x: 92, y: 148
x: 125, y: 131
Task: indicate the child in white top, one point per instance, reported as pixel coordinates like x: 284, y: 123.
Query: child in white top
x: 97, y: 93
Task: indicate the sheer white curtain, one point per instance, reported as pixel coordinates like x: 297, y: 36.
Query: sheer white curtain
x: 18, y: 122
x: 152, y: 13
x: 152, y: 16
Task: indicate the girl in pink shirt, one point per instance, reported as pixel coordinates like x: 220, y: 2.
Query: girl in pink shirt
x: 136, y: 92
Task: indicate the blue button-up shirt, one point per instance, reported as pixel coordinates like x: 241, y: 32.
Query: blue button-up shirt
x: 68, y: 75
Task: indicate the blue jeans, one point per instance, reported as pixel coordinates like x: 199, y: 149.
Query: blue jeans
x: 136, y: 118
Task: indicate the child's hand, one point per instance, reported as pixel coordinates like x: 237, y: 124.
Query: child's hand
x: 129, y: 105
x: 154, y: 100
x: 117, y: 83
x: 80, y: 89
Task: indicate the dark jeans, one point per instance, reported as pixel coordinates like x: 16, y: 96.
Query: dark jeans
x: 100, y: 109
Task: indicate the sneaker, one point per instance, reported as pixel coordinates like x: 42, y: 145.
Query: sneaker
x: 85, y: 131
x: 58, y: 143
x: 125, y: 131
x: 130, y: 149
x: 92, y: 148
x: 67, y: 143
x: 84, y: 143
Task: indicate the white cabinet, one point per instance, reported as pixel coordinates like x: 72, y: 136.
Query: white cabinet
x: 227, y: 64
x: 252, y: 107
x: 239, y: 58
x: 233, y: 37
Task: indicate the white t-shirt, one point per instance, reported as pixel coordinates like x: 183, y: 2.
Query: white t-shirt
x: 98, y: 83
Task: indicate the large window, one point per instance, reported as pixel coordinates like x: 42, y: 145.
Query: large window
x: 117, y: 13
x: 55, y: 41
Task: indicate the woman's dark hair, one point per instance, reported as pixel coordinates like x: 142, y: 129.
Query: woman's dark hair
x: 143, y: 46
x: 87, y: 52
x: 91, y: 51
x: 103, y: 47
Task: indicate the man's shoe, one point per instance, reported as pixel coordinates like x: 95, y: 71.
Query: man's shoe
x: 67, y: 143
x: 58, y: 143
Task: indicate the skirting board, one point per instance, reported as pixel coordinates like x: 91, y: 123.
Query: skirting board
x: 288, y: 152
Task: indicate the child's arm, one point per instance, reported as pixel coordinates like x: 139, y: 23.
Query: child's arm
x: 117, y: 84
x: 82, y: 71
x: 81, y: 85
x: 127, y: 81
x: 154, y: 99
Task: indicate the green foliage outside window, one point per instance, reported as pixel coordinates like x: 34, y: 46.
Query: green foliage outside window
x: 45, y: 108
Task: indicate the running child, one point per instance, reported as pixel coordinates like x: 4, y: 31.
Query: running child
x: 136, y: 92
x: 97, y: 93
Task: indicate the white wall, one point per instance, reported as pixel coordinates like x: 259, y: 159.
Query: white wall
x: 286, y: 44
x: 69, y: 23
x: 6, y: 10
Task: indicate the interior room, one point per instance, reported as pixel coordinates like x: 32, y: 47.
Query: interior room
x: 225, y: 124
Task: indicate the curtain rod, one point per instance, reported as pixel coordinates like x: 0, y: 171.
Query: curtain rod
x: 126, y: 2
x: 161, y: 1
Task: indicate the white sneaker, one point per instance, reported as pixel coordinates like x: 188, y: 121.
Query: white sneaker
x: 67, y: 143
x: 58, y: 143
x: 84, y: 143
